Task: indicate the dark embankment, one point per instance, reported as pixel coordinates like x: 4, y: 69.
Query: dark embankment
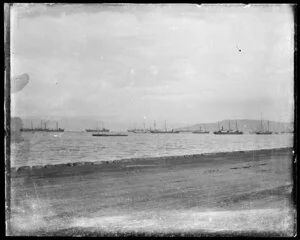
x: 237, y: 193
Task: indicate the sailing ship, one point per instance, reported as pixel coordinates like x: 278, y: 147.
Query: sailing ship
x: 97, y: 130
x: 188, y: 130
x: 185, y: 131
x: 163, y: 131
x: 278, y: 129
x: 42, y: 129
x: 229, y: 131
x: 262, y: 131
x: 139, y: 130
x: 237, y: 130
x: 289, y: 131
x: 200, y: 131
x: 103, y: 129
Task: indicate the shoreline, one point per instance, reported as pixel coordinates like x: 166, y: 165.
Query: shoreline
x: 138, y: 159
x: 235, y: 192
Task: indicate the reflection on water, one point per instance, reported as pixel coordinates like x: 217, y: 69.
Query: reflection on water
x: 42, y: 148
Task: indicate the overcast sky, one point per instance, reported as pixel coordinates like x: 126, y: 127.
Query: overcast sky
x: 181, y: 63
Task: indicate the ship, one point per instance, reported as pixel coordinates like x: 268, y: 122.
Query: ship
x: 229, y: 131
x: 262, y: 131
x: 188, y: 130
x: 42, y: 129
x: 185, y: 131
x: 97, y: 130
x: 290, y: 131
x: 200, y: 131
x: 139, y: 130
x: 163, y: 131
x: 278, y: 129
x: 237, y: 131
x: 103, y: 129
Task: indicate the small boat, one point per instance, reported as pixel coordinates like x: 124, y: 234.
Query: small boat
x: 109, y: 135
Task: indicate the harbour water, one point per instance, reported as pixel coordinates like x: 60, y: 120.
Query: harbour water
x: 42, y: 148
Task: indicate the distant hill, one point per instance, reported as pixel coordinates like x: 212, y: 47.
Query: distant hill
x: 80, y: 124
x: 245, y: 125
x: 72, y: 123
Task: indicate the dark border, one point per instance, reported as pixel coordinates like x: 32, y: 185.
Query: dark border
x: 295, y: 152
x: 7, y: 152
x: 7, y: 100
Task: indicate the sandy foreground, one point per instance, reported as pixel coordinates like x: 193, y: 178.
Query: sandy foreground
x: 237, y: 193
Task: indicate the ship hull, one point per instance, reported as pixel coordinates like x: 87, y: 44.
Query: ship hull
x: 263, y: 133
x: 228, y: 133
x: 44, y: 130
x: 109, y: 135
x: 164, y: 132
x: 95, y: 130
x: 138, y: 131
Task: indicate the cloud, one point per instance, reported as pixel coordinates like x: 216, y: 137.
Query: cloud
x: 94, y: 55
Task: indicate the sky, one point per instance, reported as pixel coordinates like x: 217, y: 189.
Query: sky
x: 129, y: 64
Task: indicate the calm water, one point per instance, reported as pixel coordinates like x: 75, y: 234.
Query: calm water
x: 53, y: 148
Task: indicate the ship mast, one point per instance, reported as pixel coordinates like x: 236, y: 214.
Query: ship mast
x: 229, y: 125
x: 165, y: 125
x: 56, y: 125
x: 236, y: 125
x: 261, y: 123
x: 154, y: 125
